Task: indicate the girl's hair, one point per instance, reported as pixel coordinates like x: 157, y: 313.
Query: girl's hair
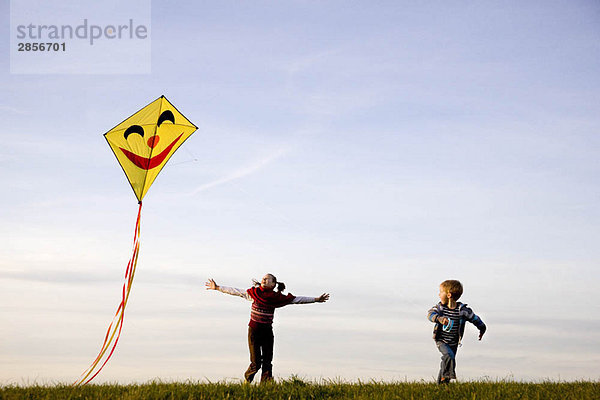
x: 280, y: 285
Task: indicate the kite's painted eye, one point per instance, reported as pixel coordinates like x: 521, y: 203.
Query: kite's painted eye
x: 134, y: 129
x: 166, y: 116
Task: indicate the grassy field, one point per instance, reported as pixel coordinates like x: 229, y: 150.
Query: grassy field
x: 297, y: 389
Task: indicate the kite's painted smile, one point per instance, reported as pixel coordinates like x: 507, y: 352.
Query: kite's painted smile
x: 151, y: 162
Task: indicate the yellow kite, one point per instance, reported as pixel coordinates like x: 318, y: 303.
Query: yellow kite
x: 143, y: 144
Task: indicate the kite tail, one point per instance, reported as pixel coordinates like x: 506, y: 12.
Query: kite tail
x: 114, y: 329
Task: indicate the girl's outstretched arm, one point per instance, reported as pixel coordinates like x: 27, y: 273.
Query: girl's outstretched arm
x: 306, y: 300
x: 212, y: 285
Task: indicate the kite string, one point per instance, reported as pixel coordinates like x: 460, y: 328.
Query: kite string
x: 120, y: 313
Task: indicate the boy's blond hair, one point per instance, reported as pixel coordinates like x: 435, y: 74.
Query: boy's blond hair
x: 453, y: 287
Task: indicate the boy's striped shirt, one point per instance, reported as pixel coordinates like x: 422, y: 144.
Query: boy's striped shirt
x: 464, y: 314
x: 450, y: 337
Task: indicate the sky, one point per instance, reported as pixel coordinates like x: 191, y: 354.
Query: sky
x: 369, y: 150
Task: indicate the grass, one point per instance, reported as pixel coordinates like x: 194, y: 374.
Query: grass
x: 295, y: 388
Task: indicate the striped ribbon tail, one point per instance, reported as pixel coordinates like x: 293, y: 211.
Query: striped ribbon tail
x: 114, y: 329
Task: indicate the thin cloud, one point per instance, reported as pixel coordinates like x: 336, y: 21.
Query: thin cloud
x: 13, y: 110
x: 242, y: 172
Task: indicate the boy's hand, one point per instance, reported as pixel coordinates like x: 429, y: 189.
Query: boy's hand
x: 442, y: 320
x: 322, y: 298
x: 211, y: 285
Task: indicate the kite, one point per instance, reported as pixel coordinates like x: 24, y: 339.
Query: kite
x: 143, y: 144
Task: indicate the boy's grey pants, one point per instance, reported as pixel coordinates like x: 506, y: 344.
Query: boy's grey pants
x: 448, y: 364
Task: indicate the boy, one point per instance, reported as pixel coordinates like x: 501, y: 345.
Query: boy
x: 449, y: 316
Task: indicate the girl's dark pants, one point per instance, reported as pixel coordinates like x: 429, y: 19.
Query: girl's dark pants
x: 260, y: 344
x: 448, y: 364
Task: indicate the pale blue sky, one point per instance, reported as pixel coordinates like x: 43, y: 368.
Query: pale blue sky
x: 370, y: 151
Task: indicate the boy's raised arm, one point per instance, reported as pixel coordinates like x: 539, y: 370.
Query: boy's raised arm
x: 480, y: 325
x: 475, y: 320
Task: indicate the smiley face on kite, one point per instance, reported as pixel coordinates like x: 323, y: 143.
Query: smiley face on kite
x: 144, y: 142
x: 151, y: 161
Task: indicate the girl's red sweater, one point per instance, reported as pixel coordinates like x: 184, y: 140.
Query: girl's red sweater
x: 264, y: 305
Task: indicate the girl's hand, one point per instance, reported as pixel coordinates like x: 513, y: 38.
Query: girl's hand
x: 211, y: 285
x: 443, y: 320
x: 322, y: 298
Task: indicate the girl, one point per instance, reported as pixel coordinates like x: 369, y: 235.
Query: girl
x: 260, y: 329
